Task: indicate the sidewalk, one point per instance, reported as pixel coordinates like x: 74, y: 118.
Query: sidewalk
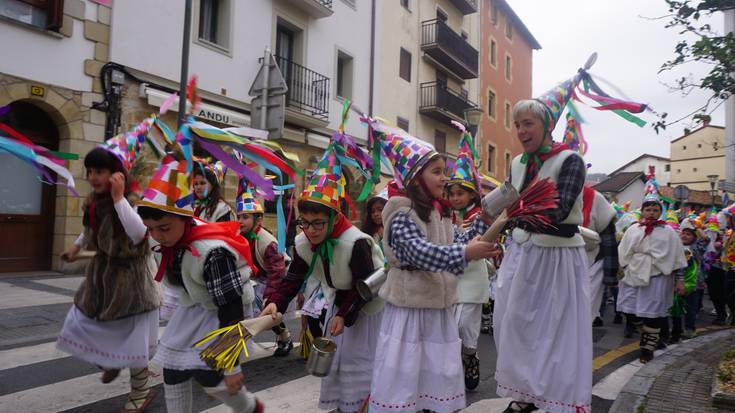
x: 679, y: 380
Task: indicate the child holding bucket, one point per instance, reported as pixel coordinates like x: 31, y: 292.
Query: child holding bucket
x: 337, y: 254
x: 418, y: 361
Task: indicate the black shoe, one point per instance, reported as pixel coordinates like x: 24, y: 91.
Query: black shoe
x: 471, y: 365
x: 674, y: 340
x: 520, y: 407
x: 284, y: 347
x: 646, y: 356
x: 598, y: 322
x: 618, y: 319
x: 485, y: 329
x: 661, y: 345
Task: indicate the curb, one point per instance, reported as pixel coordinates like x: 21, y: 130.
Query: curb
x: 635, y: 391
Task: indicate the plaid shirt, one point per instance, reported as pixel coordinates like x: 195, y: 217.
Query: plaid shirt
x: 411, y: 247
x: 569, y: 184
x: 224, y: 284
x: 609, y: 255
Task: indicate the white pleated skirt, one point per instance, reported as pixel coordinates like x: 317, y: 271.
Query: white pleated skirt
x: 542, y: 328
x: 124, y: 343
x: 188, y: 325
x: 651, y: 301
x: 597, y: 288
x: 169, y: 304
x: 348, y: 384
x: 418, y: 362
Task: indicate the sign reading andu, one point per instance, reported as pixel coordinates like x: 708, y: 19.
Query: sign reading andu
x: 209, y: 114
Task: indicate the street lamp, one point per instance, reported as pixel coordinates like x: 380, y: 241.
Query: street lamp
x: 473, y: 116
x: 712, y: 181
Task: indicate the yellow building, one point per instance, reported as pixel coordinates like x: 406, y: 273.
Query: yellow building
x: 697, y: 155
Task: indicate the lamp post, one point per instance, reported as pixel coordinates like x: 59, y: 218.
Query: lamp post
x: 473, y: 117
x: 712, y: 181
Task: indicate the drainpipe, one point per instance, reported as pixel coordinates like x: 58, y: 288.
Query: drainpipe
x: 372, y: 57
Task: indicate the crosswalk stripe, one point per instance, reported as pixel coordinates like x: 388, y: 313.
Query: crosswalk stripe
x: 295, y: 396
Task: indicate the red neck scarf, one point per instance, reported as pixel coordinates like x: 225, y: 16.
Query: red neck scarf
x: 229, y: 232
x: 650, y: 224
x: 537, y: 160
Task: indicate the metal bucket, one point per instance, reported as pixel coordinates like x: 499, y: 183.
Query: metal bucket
x: 500, y: 198
x: 320, y: 357
x: 368, y: 288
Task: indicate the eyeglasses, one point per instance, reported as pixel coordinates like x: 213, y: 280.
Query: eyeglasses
x: 317, y: 225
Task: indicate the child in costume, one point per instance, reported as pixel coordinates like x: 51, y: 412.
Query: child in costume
x: 652, y: 257
x: 695, y: 244
x: 204, y: 263
x: 373, y: 224
x: 716, y: 273
x: 114, y: 320
x: 270, y: 263
x: 209, y: 204
x: 337, y: 254
x: 418, y: 357
x: 473, y: 284
x: 602, y: 255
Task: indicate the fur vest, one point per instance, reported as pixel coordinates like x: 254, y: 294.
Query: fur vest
x: 118, y: 281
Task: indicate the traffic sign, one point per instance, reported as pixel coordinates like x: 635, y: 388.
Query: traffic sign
x: 726, y: 186
x: 681, y: 192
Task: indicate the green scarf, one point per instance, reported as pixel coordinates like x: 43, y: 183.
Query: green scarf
x: 325, y: 250
x: 534, y: 156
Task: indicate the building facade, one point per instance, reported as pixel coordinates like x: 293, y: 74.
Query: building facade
x: 506, y: 68
x: 643, y: 164
x: 696, y: 155
x: 49, y: 77
x: 427, y: 66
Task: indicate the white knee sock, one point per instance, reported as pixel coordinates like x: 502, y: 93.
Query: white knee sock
x: 178, y: 397
x: 242, y: 402
x: 139, y: 388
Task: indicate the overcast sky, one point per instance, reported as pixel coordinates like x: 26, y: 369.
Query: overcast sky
x: 631, y: 50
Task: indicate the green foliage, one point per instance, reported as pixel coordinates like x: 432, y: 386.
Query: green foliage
x: 715, y: 50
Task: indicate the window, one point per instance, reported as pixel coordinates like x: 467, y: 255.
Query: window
x: 493, y: 53
x: 491, y: 158
x: 684, y: 147
x: 214, y: 22
x: 694, y: 169
x: 344, y: 75
x: 494, y: 15
x: 464, y: 93
x: 441, y: 78
x: 667, y: 168
x: 491, y: 104
x: 441, y: 15
x: 509, y: 30
x: 404, y: 70
x: 678, y: 171
x: 508, y: 68
x: 406, y: 4
x: 402, y: 123
x: 699, y: 145
x: 508, y: 163
x: 440, y: 141
x: 507, y: 115
x: 45, y: 14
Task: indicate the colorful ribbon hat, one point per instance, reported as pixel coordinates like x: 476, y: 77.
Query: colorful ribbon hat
x: 327, y: 183
x: 170, y: 188
x: 246, y: 202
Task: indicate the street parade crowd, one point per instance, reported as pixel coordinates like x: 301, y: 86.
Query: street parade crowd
x: 531, y: 261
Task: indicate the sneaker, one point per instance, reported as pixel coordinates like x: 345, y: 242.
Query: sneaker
x: 618, y: 319
x: 689, y: 334
x: 284, y: 347
x: 471, y: 365
x: 485, y: 326
x: 713, y: 313
x: 598, y: 322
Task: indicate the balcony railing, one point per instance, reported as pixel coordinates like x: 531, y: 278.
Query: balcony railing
x: 314, y: 8
x: 439, y: 102
x: 465, y: 6
x: 449, y: 49
x: 308, y: 91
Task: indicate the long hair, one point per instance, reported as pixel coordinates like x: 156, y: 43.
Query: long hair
x: 215, y: 194
x: 420, y: 200
x: 368, y: 226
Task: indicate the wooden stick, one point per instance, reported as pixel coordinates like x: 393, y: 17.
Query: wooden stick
x: 491, y: 235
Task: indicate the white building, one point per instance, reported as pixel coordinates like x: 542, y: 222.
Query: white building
x: 644, y: 162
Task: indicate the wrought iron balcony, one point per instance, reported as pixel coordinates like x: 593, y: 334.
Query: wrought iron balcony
x: 442, y: 45
x: 465, y: 6
x: 308, y: 91
x: 439, y: 102
x: 317, y: 8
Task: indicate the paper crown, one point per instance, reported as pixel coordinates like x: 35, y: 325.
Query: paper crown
x: 672, y: 219
x: 652, y: 186
x: 407, y: 155
x: 128, y: 146
x: 465, y: 171
x: 170, y: 188
x: 326, y: 184
x: 583, y: 84
x: 246, y: 202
